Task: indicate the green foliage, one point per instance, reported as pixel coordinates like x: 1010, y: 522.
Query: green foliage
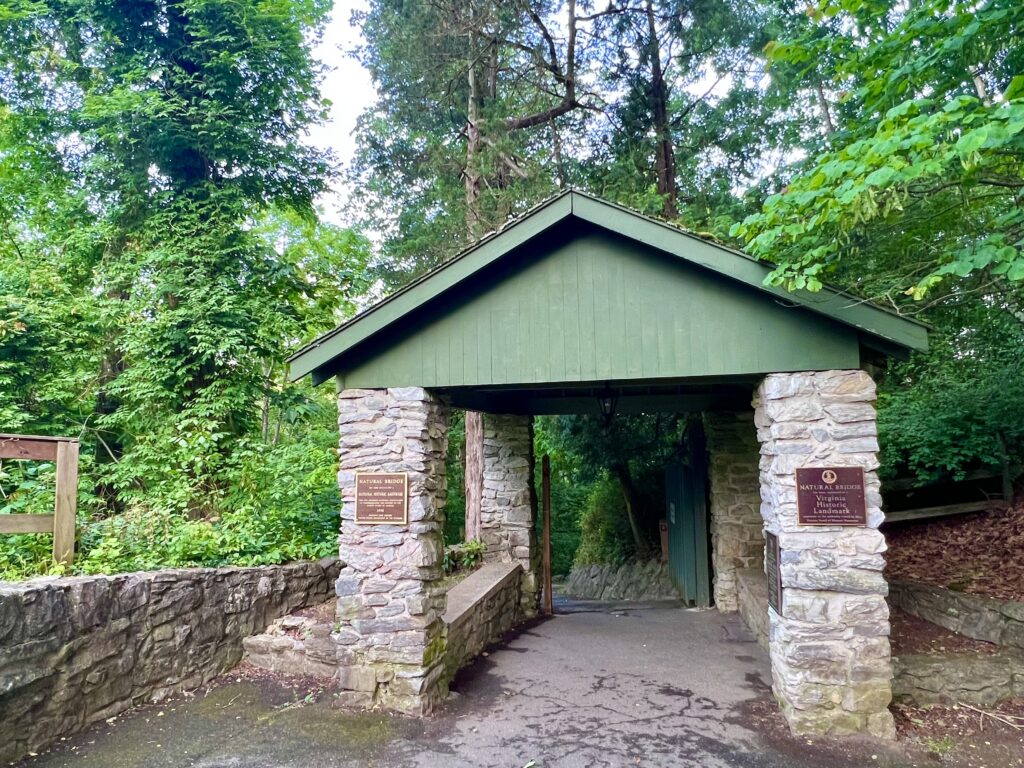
x: 464, y: 556
x: 946, y: 413
x: 604, y: 531
x: 570, y: 489
x: 924, y: 176
x: 911, y: 195
x: 568, y: 502
x: 723, y: 116
x: 28, y: 487
x: 632, y: 451
x: 455, y: 472
x: 159, y: 255
x: 441, y: 67
x: 412, y: 160
x: 282, y: 505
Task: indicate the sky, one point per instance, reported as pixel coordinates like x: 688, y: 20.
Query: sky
x: 350, y: 90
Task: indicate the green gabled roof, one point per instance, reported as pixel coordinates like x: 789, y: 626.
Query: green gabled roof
x: 326, y: 356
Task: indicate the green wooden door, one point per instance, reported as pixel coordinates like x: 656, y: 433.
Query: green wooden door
x: 686, y: 501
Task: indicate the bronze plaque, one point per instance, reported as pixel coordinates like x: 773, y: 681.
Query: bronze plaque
x: 830, y: 496
x: 382, y: 498
x: 773, y: 571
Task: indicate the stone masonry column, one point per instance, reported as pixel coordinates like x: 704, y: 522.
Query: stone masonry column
x: 736, y: 538
x: 831, y: 668
x: 390, y: 635
x: 508, y: 508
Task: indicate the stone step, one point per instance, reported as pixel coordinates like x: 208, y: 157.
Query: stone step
x: 294, y: 645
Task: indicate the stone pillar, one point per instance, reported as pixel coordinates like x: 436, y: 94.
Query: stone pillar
x: 736, y: 538
x: 831, y: 668
x: 390, y: 634
x: 508, y: 508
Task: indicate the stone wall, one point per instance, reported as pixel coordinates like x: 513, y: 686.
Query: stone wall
x: 630, y: 581
x: 390, y: 600
x: 978, y: 679
x: 736, y: 538
x: 508, y: 507
x: 1000, y: 622
x: 297, y: 644
x: 75, y: 651
x: 481, y: 610
x: 829, y: 647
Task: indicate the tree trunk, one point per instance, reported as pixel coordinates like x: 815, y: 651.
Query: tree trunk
x: 268, y: 369
x: 629, y: 496
x: 1005, y: 472
x: 474, y: 472
x: 664, y: 151
x: 474, y: 223
x: 556, y: 147
x: 826, y: 114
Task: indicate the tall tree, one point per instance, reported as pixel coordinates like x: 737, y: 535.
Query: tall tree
x: 911, y: 194
x: 473, y: 103
x: 143, y: 146
x: 926, y: 165
x: 693, y: 115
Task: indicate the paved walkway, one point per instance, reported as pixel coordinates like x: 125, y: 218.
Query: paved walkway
x: 597, y: 685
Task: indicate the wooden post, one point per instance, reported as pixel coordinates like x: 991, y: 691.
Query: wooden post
x: 64, y: 507
x: 474, y: 473
x: 549, y: 606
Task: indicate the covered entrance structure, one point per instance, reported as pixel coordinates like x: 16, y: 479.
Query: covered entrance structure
x: 581, y: 300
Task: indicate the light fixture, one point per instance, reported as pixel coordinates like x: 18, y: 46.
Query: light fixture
x: 607, y: 401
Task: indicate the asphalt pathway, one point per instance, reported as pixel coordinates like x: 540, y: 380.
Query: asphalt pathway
x: 597, y: 686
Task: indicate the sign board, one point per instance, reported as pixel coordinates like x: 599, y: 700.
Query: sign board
x: 830, y: 496
x: 773, y: 571
x: 382, y: 498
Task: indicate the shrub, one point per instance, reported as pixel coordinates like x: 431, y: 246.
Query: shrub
x: 282, y: 505
x: 465, y: 556
x: 604, y: 528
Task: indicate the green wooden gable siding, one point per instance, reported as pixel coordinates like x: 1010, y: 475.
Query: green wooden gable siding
x: 580, y: 290
x: 581, y: 305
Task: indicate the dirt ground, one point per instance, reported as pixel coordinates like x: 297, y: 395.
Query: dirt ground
x: 981, y: 554
x: 966, y: 737
x: 909, y: 634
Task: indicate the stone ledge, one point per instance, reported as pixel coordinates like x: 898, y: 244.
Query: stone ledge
x: 1000, y: 622
x: 483, y: 583
x: 481, y: 610
x: 978, y: 679
x: 752, y: 589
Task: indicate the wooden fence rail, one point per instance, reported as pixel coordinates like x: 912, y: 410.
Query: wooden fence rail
x: 63, y: 451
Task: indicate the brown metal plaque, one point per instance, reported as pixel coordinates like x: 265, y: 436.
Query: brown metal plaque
x: 773, y: 571
x: 830, y: 496
x: 382, y: 498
